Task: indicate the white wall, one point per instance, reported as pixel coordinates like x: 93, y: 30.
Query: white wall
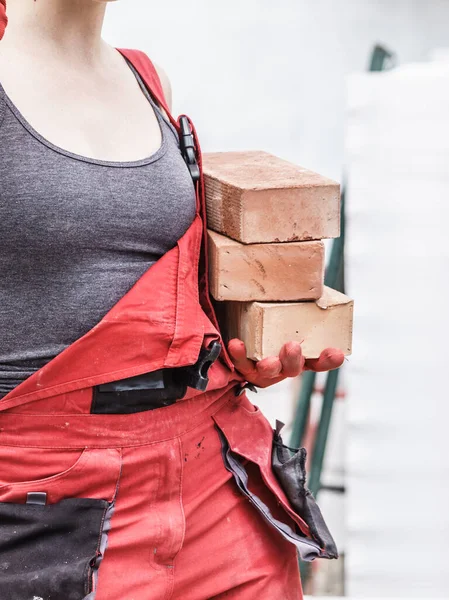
x: 397, y: 265
x: 264, y: 74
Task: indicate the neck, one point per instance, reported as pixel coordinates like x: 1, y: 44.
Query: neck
x: 72, y: 27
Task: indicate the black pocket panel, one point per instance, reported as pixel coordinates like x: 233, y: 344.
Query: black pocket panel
x: 290, y: 469
x: 138, y: 394
x: 51, y: 552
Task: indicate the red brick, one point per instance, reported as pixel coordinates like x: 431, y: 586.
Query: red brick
x: 255, y: 197
x: 290, y: 271
x: 265, y: 327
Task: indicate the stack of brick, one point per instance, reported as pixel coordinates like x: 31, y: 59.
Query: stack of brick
x: 266, y: 222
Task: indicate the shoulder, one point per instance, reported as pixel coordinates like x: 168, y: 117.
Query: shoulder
x: 139, y: 58
x: 166, y: 85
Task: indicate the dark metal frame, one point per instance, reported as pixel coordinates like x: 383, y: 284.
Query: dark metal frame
x: 381, y: 60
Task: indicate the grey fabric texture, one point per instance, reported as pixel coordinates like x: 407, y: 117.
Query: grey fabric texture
x: 76, y: 234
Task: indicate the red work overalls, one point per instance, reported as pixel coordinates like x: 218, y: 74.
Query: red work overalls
x: 104, y: 496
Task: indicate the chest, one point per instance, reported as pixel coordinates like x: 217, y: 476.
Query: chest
x: 51, y: 203
x: 102, y: 115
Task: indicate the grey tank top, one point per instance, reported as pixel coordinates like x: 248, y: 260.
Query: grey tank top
x: 76, y: 234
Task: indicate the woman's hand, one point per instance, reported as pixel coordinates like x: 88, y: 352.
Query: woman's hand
x: 289, y: 363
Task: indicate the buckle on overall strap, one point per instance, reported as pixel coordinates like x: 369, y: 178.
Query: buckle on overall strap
x: 155, y: 389
x: 187, y: 145
x: 196, y: 376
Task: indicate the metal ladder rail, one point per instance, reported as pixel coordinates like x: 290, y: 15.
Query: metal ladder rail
x: 381, y: 60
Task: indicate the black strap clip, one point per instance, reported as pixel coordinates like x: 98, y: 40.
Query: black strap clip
x: 247, y: 386
x: 196, y: 376
x: 187, y: 145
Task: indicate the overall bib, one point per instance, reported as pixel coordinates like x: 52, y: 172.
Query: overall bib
x: 134, y: 467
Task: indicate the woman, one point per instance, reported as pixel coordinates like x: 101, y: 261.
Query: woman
x: 121, y: 478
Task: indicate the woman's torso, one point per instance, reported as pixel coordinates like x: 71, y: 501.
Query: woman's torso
x: 76, y: 233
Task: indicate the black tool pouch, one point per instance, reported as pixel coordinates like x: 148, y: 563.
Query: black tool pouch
x: 52, y: 552
x: 290, y: 469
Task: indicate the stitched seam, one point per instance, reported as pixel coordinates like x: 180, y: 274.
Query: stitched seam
x: 89, y: 571
x: 199, y: 419
x: 79, y: 464
x: 181, y: 505
x: 153, y: 507
x: 76, y: 381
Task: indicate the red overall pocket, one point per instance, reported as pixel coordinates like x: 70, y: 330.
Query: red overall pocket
x: 54, y: 520
x: 249, y: 447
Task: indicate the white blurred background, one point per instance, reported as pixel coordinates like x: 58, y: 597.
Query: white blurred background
x: 288, y: 77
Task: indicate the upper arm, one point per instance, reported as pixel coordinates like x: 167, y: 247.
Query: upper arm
x: 166, y: 85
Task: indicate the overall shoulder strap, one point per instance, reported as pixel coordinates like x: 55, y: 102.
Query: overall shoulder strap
x: 147, y: 71
x: 3, y: 18
x: 191, y: 152
x: 189, y: 145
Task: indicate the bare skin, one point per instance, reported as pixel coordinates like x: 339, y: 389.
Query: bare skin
x: 74, y: 89
x: 78, y: 92
x: 289, y: 363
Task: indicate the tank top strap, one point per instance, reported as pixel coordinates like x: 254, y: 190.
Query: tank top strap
x: 147, y: 71
x: 161, y: 116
